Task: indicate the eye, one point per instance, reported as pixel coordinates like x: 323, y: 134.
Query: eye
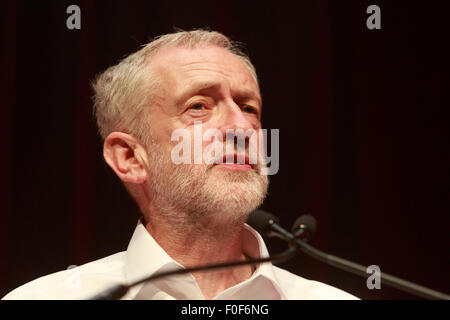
x: 197, y: 106
x: 250, y: 109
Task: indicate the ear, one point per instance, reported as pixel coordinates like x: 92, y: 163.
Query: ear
x: 126, y: 156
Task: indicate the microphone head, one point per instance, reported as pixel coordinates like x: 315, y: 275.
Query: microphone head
x: 307, y: 223
x: 261, y: 221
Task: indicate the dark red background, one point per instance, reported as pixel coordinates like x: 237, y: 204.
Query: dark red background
x: 363, y: 118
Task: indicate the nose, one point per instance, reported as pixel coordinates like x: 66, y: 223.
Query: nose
x: 239, y: 131
x: 234, y: 118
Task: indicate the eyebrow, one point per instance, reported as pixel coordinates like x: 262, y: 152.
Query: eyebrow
x: 198, y: 87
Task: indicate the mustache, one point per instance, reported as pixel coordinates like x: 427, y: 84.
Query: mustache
x: 231, y: 152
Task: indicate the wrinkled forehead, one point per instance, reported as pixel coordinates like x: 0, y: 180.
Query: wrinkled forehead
x: 176, y: 64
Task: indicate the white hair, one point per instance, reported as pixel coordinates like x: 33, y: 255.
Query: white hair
x: 124, y: 92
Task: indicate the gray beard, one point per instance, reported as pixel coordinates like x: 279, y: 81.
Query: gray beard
x: 202, y: 195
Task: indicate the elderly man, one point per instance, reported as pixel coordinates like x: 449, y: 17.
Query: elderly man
x: 192, y: 213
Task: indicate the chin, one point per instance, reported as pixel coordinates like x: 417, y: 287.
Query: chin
x: 237, y: 195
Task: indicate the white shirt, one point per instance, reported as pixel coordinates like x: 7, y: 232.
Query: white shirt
x: 144, y: 257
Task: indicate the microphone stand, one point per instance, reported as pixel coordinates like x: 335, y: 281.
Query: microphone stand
x: 118, y: 291
x: 360, y: 270
x: 295, y: 240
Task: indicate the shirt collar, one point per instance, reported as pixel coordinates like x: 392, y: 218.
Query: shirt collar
x: 144, y: 257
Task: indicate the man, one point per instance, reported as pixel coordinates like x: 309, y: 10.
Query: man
x: 192, y: 213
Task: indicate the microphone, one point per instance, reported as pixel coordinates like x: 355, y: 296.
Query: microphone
x: 304, y: 227
x: 267, y: 224
x: 118, y: 291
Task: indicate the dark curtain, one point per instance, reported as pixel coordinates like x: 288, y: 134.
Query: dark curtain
x: 363, y: 118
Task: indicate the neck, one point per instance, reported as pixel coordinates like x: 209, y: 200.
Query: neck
x: 203, y: 242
